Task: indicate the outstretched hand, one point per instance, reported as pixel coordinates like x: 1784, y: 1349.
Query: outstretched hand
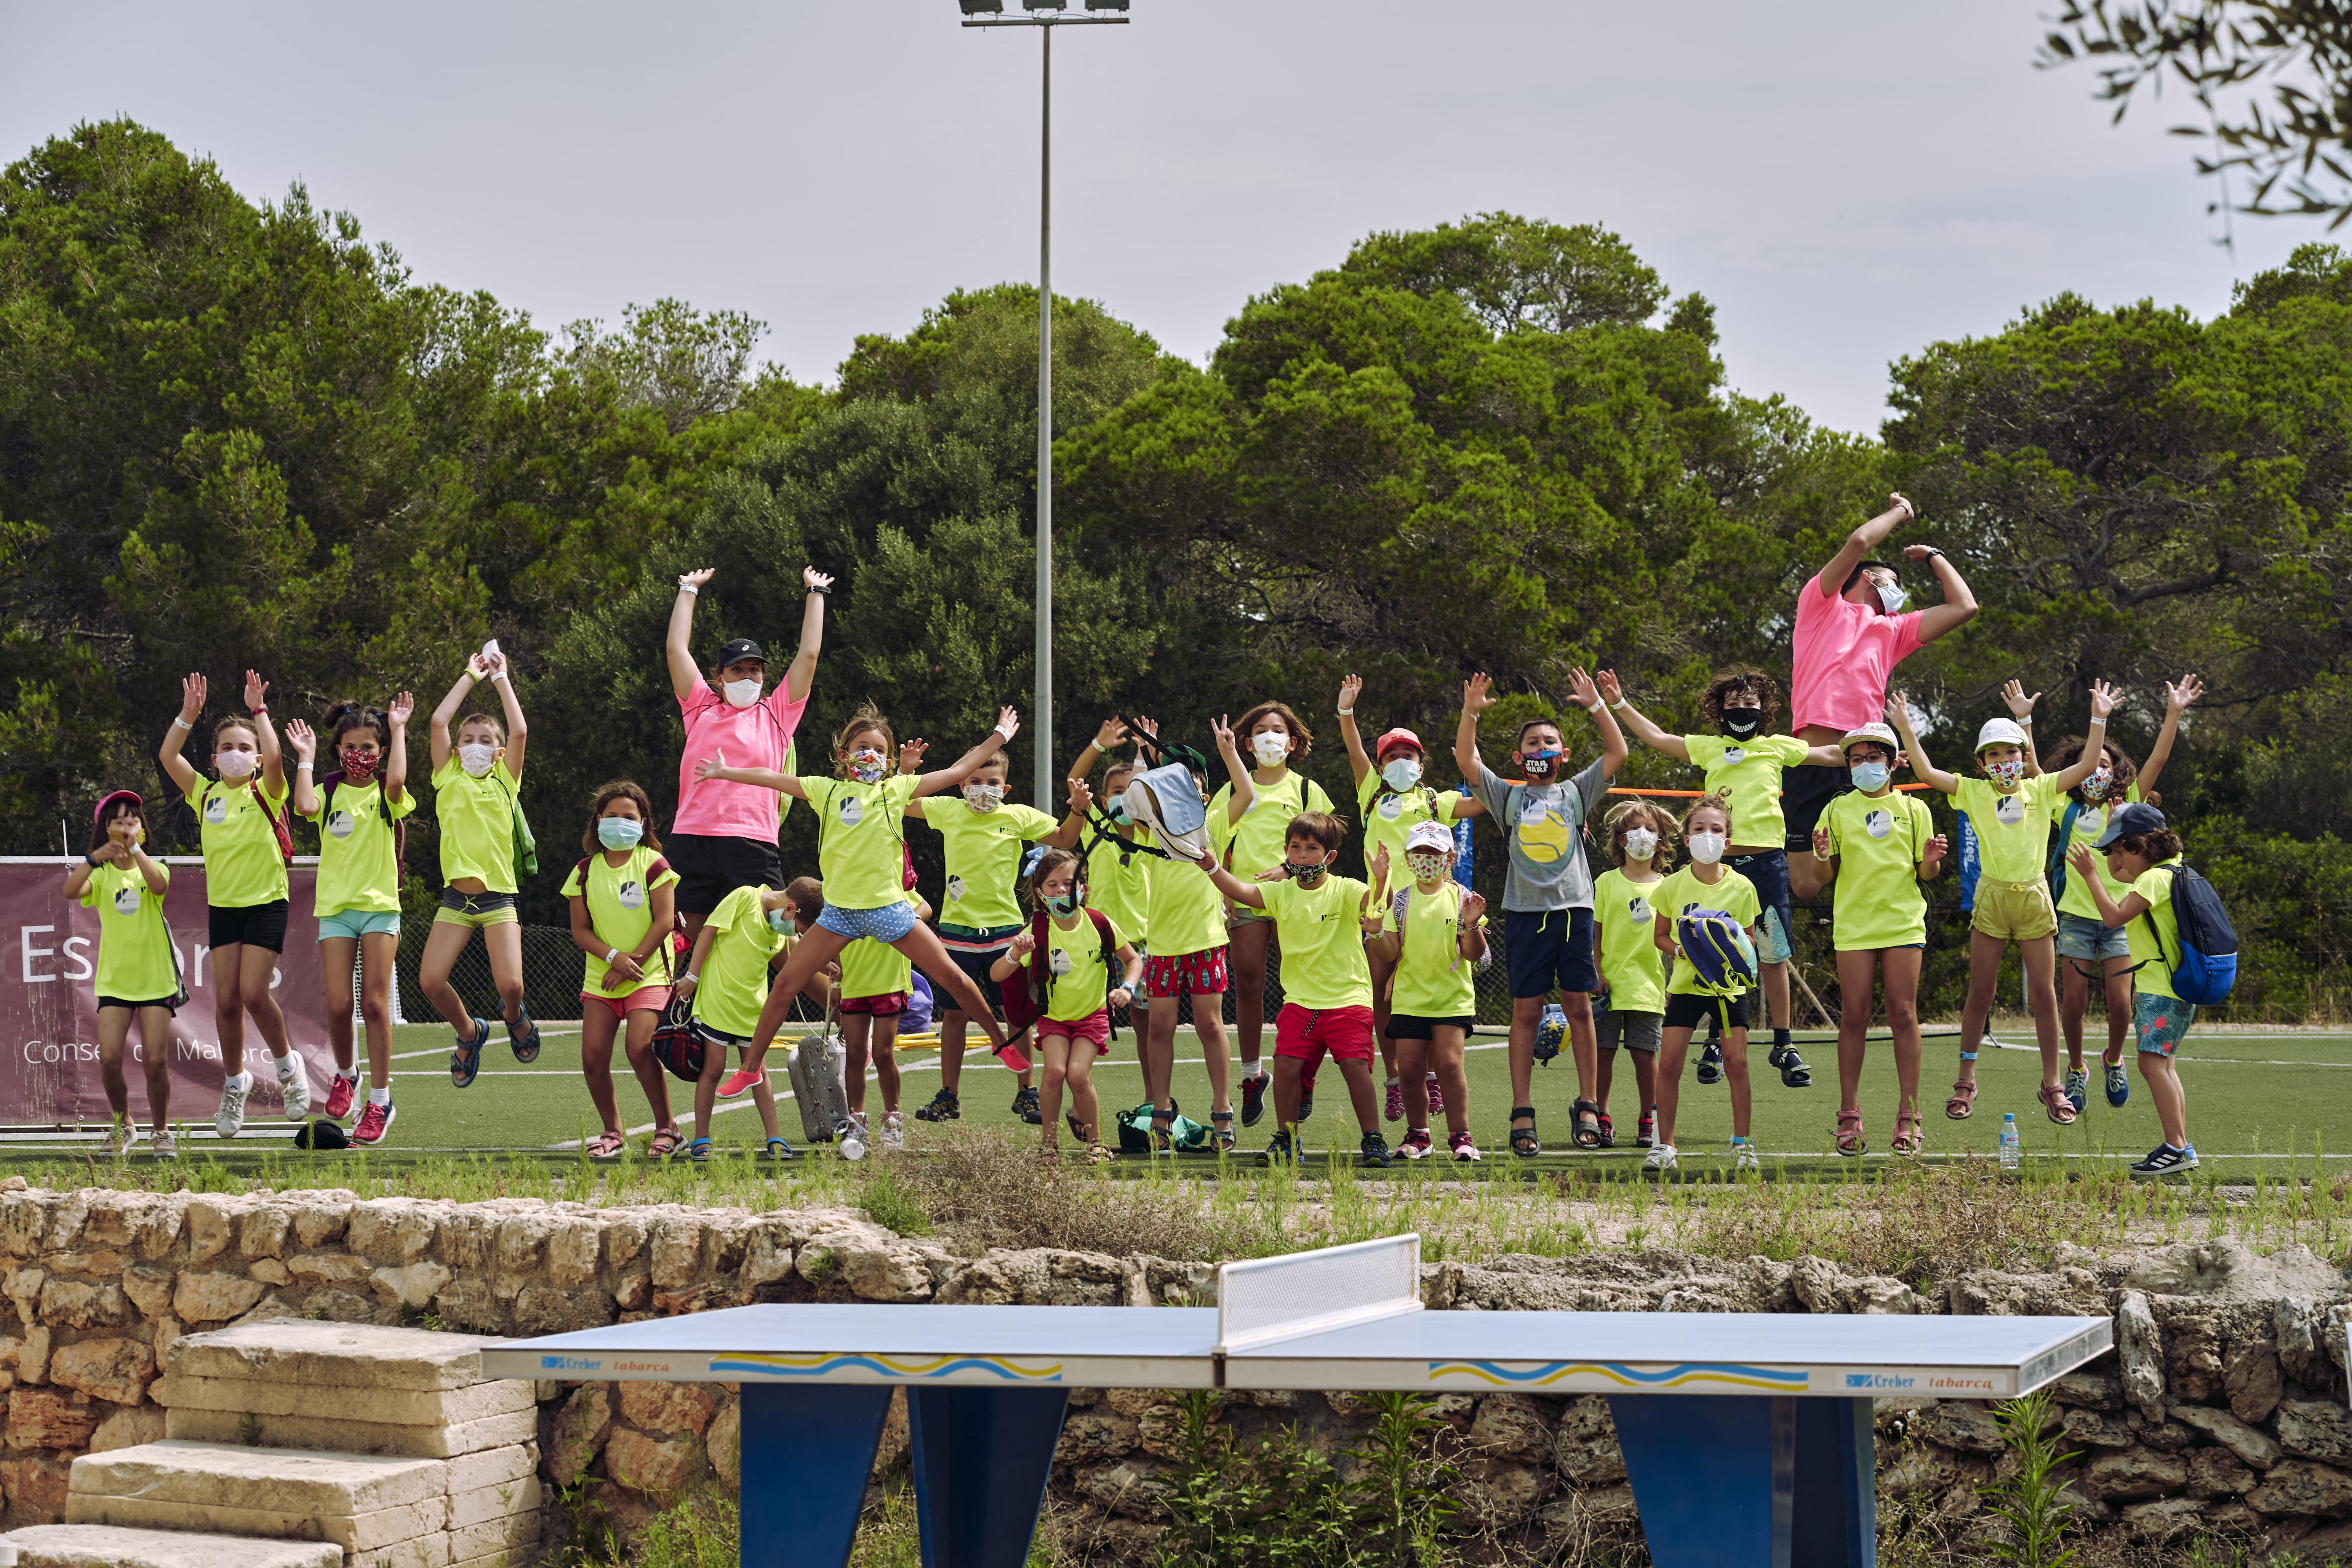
x: 403, y: 705
x: 2103, y: 700
x: 813, y: 580
x: 1348, y: 689
x: 257, y: 692
x: 1898, y: 712
x: 1008, y: 723
x: 300, y: 736
x: 1082, y: 797
x: 1222, y: 733
x: 2178, y: 698
x: 1611, y: 692
x: 698, y: 577
x: 1581, y: 687
x: 1896, y: 503
x: 1477, y: 694
x: 1474, y: 907
x: 1111, y: 732
x: 192, y: 691
x: 712, y: 766
x: 2021, y: 706
x: 2079, y: 857
x: 911, y: 755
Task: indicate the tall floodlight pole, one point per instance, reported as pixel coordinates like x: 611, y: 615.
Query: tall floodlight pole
x: 1045, y: 15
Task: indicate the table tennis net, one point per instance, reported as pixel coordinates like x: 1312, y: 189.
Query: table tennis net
x: 1306, y: 1292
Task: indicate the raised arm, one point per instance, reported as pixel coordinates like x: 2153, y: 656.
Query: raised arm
x: 1862, y: 544
x: 1648, y: 733
x: 1112, y: 732
x: 714, y: 767
x: 1478, y: 696
x: 477, y: 668
x: 2020, y: 708
x: 1349, y: 691
x: 2094, y: 740
x: 2111, y: 911
x: 305, y: 797
x: 1008, y: 724
x: 1898, y: 713
x: 684, y: 677
x: 1959, y: 605
x: 517, y: 728
x: 802, y: 674
x: 1613, y: 750
x: 273, y: 759
x: 1073, y: 826
x: 395, y: 762
x: 2177, y: 700
x: 176, y: 767
x: 1244, y: 787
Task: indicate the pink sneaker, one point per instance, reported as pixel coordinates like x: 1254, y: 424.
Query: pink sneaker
x: 736, y: 1082
x: 1394, y: 1111
x: 1464, y: 1145
x: 1437, y: 1099
x: 340, y: 1091
x: 374, y: 1123
x: 1415, y: 1145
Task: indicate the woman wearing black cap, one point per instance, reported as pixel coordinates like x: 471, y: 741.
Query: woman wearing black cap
x: 723, y: 834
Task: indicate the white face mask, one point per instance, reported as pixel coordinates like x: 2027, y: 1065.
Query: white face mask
x: 476, y: 759
x: 1401, y: 773
x: 235, y: 765
x: 1641, y: 843
x: 1706, y: 849
x: 1271, y: 749
x: 983, y: 797
x: 1892, y: 596
x: 742, y: 693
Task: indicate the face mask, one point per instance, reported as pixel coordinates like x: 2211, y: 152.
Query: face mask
x: 1538, y: 765
x: 866, y: 767
x: 742, y: 693
x: 1401, y: 774
x: 619, y: 832
x: 1307, y: 875
x: 1869, y: 777
x: 2005, y: 774
x: 983, y: 797
x: 1893, y: 597
x: 235, y: 765
x: 358, y: 767
x: 1743, y: 721
x: 1706, y: 849
x: 2096, y: 787
x: 1117, y: 814
x: 1425, y: 865
x: 476, y: 759
x: 780, y: 922
x: 1271, y: 749
x: 1061, y: 903
x: 1641, y: 843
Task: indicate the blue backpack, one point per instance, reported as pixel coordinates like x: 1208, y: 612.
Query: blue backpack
x: 1722, y: 959
x: 2208, y: 967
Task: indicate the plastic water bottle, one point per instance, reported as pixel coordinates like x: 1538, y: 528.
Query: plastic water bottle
x: 2008, y: 1147
x: 850, y: 1139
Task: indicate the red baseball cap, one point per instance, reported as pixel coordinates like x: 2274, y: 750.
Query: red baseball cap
x: 1392, y: 740
x: 129, y: 795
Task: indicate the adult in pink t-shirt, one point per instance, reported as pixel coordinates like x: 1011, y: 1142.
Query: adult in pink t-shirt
x: 723, y: 836
x: 1851, y: 632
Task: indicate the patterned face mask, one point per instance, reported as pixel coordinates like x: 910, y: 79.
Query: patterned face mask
x: 1641, y: 843
x: 1271, y: 748
x: 1061, y: 903
x: 2007, y: 774
x: 866, y: 765
x: 1306, y: 875
x: 1426, y: 866
x: 2102, y: 779
x: 983, y: 797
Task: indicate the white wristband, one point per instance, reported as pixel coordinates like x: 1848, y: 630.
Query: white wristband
x: 301, y: 767
x: 179, y: 723
x: 1346, y: 713
x: 689, y: 588
x: 498, y: 677
x: 611, y: 955
x: 1616, y: 705
x: 1001, y: 729
x: 1595, y: 706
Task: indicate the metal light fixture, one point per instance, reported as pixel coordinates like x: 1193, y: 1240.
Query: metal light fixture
x: 1045, y: 5
x: 1106, y: 4
x: 983, y: 7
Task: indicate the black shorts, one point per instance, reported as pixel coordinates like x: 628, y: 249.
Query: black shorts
x: 250, y: 925
x: 1684, y: 1011
x: 169, y: 1004
x: 975, y: 952
x: 1544, y: 947
x: 1420, y: 1026
x: 709, y: 868
x: 1806, y: 791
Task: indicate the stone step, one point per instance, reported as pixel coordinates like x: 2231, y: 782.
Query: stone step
x: 279, y: 1433
x: 396, y: 1407
x: 273, y: 1480
x: 109, y: 1546
x: 338, y: 1356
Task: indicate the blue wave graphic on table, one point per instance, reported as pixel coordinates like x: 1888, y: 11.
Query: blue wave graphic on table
x: 1778, y: 1379
x: 914, y: 1367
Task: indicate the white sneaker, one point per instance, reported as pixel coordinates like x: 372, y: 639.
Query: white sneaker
x: 894, y: 1132
x: 162, y: 1145
x: 118, y: 1139
x: 294, y: 1084
x: 1743, y: 1157
x: 232, y: 1108
x: 1661, y: 1157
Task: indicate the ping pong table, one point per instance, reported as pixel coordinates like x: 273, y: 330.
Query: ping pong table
x: 1747, y: 1437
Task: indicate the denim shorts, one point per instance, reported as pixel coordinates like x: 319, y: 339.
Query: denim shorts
x: 359, y: 923
x: 2090, y: 942
x: 886, y: 923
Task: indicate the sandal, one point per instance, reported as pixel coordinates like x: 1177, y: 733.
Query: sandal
x: 1524, y: 1142
x: 2057, y: 1101
x: 698, y: 1152
x: 1221, y: 1132
x: 1963, y: 1103
x: 1585, y: 1115
x: 1608, y: 1131
x: 1851, y: 1140
x: 605, y: 1146
x: 1910, y: 1134
x: 1163, y: 1131
x: 665, y: 1144
x: 1097, y: 1154
x: 524, y: 1036
x: 467, y: 1059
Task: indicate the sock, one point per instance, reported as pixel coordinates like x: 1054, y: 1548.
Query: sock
x: 1390, y: 1083
x: 1736, y: 1140
x: 1780, y: 1039
x: 350, y: 1077
x: 380, y: 1097
x: 242, y: 1081
x: 1253, y: 1069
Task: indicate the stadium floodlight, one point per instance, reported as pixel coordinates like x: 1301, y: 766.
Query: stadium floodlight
x: 1045, y: 15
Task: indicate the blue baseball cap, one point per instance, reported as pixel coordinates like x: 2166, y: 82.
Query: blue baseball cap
x: 2137, y: 817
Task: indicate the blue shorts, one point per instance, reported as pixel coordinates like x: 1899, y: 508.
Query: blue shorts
x: 1548, y: 947
x: 2161, y: 1021
x: 886, y: 923
x: 2089, y: 940
x: 1768, y: 871
x: 359, y: 923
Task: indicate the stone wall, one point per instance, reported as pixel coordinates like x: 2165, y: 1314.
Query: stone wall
x: 2224, y: 1409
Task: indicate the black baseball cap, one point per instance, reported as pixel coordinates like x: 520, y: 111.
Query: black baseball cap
x: 320, y: 1134
x: 740, y: 648
x: 2137, y: 817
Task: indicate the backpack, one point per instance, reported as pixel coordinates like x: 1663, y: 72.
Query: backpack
x: 2208, y: 967
x: 1026, y: 995
x: 278, y: 825
x: 2058, y: 851
x: 399, y: 825
x: 678, y: 945
x: 526, y: 847
x: 1721, y: 957
x: 676, y: 1045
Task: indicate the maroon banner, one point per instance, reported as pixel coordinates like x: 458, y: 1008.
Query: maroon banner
x: 48, y: 1006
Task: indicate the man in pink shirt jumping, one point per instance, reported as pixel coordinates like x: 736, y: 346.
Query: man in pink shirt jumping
x: 723, y: 836
x: 1851, y: 631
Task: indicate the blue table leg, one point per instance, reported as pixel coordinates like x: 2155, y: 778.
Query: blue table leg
x: 1730, y: 1481
x: 807, y: 1450
x: 982, y: 1457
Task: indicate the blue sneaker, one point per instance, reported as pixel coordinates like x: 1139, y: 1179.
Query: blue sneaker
x: 2078, y: 1089
x: 2118, y: 1086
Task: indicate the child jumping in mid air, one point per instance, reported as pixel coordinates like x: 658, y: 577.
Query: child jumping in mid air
x: 2008, y: 812
x: 728, y: 977
x: 1641, y: 838
x: 1432, y: 942
x: 2143, y: 852
x: 1392, y: 798
x: 138, y: 968
x: 358, y: 808
x: 624, y: 900
x: 243, y: 813
x: 476, y: 790
x: 1877, y: 846
x: 1706, y: 883
x: 1070, y: 979
x: 1745, y: 764
x: 877, y: 983
x: 1327, y: 983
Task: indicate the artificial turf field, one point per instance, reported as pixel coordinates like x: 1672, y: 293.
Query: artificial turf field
x: 2252, y: 1094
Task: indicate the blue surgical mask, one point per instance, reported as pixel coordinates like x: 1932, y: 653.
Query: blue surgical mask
x: 1893, y: 597
x: 619, y: 832
x: 1117, y: 814
x: 1870, y: 777
x: 1401, y: 774
x: 1061, y: 903
x: 780, y: 922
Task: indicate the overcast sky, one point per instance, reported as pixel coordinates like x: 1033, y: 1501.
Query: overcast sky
x: 1847, y: 179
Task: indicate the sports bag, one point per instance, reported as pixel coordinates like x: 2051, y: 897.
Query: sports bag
x: 676, y: 1045
x: 1135, y: 1132
x: 2058, y: 850
x: 1721, y: 956
x: 526, y: 847
x: 2208, y: 967
x: 1167, y: 801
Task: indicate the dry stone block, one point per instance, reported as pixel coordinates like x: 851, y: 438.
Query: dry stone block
x: 724, y: 1443
x: 71, y: 1304
x: 262, y: 1231
x: 150, y: 1290
x: 650, y: 1465
x: 48, y: 1418
x: 1967, y: 1427
x: 2316, y: 1429
x: 467, y: 1302
x: 2090, y: 1427
x: 767, y: 1253
x: 1512, y: 1427
x: 346, y: 1355
x: 353, y: 1437
x: 2096, y: 1390
x: 401, y: 1407
x: 36, y: 1489
x: 2140, y: 1349
x: 492, y: 1467
x: 482, y: 1505
x: 411, y: 1285
x: 212, y: 1297
x: 328, y: 1269
x: 1093, y: 1437
x: 211, y: 1225
x: 270, y: 1481
x: 2253, y: 1379
x: 2217, y: 1472
x: 667, y: 1407
x: 1586, y: 1451
x: 574, y: 1247
x: 271, y: 1271
x: 545, y: 1309
x: 108, y: 1264
x: 504, y: 1533
x: 2301, y: 1487
x: 33, y: 1357
x: 2255, y: 1447
x: 315, y: 1225
x: 1126, y: 1488
x: 2163, y: 1520
x: 676, y: 1249
x: 2134, y: 1473
x: 114, y: 1546
x: 23, y: 1219
x: 579, y: 1432
x: 117, y: 1370
x: 392, y: 1231
x: 128, y: 1428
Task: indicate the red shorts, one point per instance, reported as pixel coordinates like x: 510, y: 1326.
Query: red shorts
x: 889, y: 1005
x: 1304, y: 1034
x: 1201, y: 974
x: 644, y: 999
x: 1094, y: 1029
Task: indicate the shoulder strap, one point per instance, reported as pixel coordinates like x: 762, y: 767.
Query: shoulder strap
x: 2157, y: 932
x: 580, y: 871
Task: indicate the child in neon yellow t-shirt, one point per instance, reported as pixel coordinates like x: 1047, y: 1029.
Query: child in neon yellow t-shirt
x: 1706, y: 883
x: 2143, y: 852
x: 1070, y: 974
x: 138, y: 968
x: 477, y: 787
x: 1639, y: 836
x: 1432, y: 943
